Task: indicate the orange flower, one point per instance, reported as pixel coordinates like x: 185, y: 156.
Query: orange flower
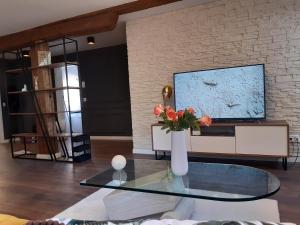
x: 180, y: 113
x: 171, y: 114
x: 191, y: 110
x: 158, y: 109
x: 205, y: 121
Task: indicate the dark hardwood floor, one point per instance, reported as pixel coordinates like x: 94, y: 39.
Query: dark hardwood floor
x: 39, y: 190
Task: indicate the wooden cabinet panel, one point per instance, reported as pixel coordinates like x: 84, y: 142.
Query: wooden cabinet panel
x: 208, y: 144
x: 162, y: 141
x: 266, y: 138
x: 262, y: 140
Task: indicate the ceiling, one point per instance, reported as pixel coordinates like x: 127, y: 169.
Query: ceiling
x: 118, y: 35
x: 16, y: 15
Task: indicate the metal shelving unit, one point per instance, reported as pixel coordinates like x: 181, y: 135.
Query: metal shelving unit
x: 69, y: 143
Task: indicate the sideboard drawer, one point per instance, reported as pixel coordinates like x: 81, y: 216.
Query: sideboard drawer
x: 207, y: 144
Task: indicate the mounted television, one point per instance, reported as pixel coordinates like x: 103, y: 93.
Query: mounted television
x: 234, y: 93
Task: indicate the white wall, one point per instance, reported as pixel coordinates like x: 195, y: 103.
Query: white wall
x: 217, y: 34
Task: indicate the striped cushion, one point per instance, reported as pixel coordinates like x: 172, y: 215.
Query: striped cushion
x: 172, y: 222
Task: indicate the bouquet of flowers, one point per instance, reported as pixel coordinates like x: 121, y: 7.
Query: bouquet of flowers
x: 180, y: 120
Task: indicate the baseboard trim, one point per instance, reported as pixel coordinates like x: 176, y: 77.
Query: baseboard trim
x: 271, y: 159
x: 47, y: 156
x: 4, y: 141
x: 142, y: 151
x: 120, y: 138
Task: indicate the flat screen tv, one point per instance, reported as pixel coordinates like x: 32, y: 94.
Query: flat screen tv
x: 235, y: 93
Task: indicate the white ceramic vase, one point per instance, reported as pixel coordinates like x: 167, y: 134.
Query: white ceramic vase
x: 179, y: 158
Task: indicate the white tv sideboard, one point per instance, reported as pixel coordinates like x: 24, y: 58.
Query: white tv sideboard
x: 261, y: 138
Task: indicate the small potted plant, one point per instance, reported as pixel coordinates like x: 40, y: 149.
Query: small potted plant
x: 177, y: 123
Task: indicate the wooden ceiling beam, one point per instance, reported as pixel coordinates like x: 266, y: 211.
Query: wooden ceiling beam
x: 53, y: 31
x: 90, y: 23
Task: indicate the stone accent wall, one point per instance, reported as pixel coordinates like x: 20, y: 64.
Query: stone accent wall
x: 217, y: 34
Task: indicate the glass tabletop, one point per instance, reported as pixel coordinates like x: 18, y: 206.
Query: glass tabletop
x: 213, y: 181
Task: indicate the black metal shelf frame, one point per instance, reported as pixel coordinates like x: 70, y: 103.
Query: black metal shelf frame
x: 79, y: 143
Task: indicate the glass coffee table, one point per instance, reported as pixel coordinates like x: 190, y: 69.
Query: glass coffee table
x: 213, y: 181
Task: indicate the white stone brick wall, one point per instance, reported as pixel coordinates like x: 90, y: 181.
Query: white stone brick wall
x: 217, y: 34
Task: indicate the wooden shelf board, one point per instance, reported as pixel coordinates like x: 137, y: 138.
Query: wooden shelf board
x: 50, y: 66
x: 244, y: 123
x: 41, y: 135
x: 30, y: 114
x: 42, y: 90
x: 46, y: 113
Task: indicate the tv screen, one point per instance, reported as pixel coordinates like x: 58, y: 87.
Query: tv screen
x: 227, y: 93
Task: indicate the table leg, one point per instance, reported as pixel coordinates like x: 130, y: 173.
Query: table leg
x: 284, y: 163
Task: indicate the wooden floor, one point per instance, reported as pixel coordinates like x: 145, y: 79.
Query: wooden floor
x: 39, y: 190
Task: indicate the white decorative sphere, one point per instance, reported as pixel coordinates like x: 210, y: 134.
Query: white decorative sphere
x: 118, y: 162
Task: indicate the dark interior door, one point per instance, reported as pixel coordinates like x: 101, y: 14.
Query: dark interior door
x: 107, y: 108
x: 4, y: 104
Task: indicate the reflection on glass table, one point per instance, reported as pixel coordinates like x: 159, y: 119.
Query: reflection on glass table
x: 212, y: 181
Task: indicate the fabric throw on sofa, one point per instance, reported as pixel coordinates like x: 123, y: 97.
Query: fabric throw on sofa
x: 171, y: 222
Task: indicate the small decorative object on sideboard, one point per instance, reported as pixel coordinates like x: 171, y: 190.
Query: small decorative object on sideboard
x: 24, y: 88
x: 167, y: 92
x: 118, y: 162
x: 177, y: 123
